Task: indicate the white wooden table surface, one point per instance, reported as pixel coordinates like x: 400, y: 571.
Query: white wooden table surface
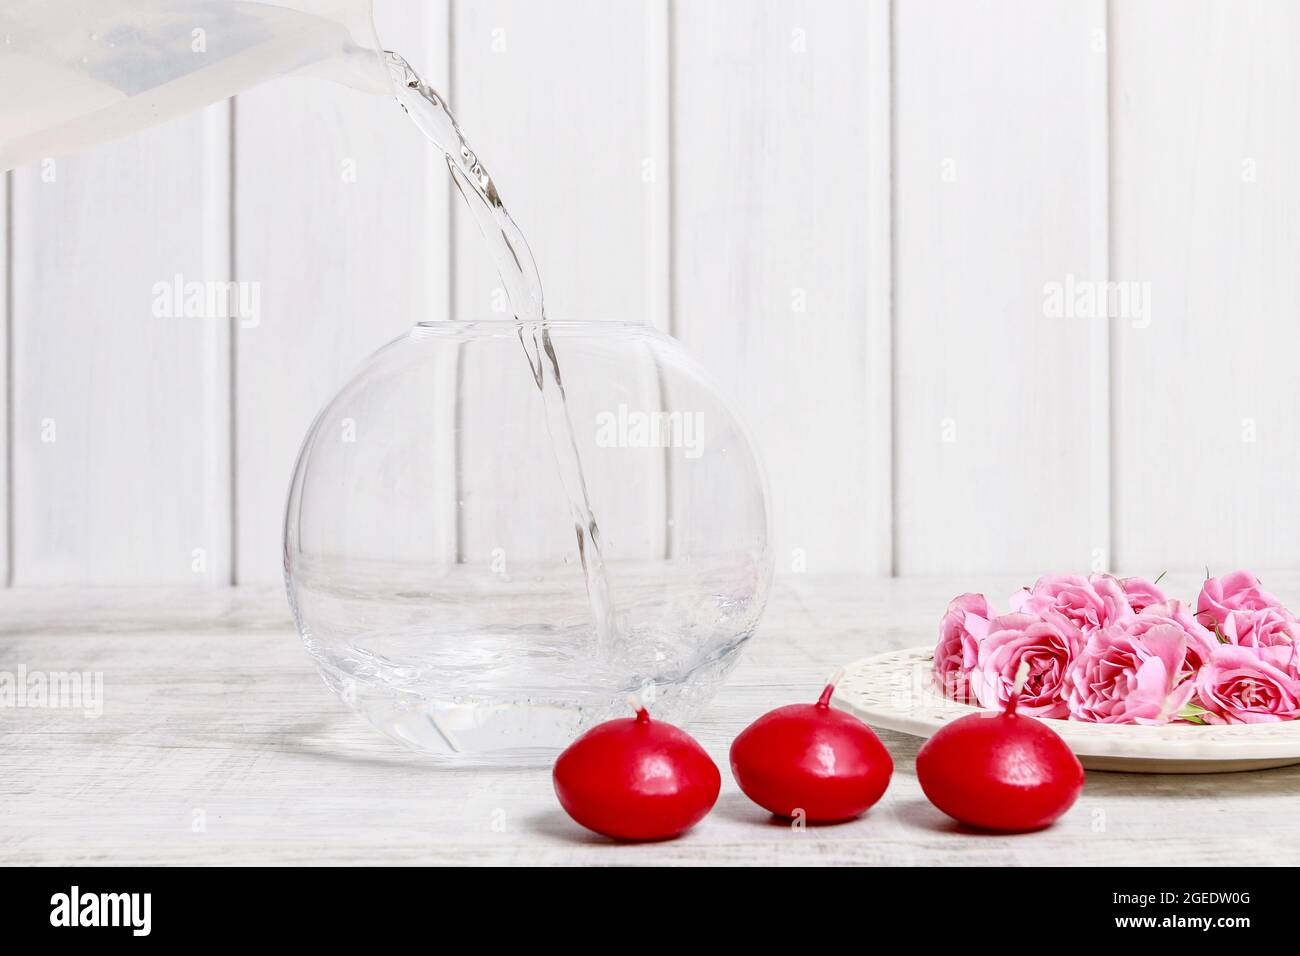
x: 218, y: 744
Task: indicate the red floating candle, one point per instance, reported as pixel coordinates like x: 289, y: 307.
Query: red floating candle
x: 1000, y: 770
x: 812, y: 761
x: 636, y: 779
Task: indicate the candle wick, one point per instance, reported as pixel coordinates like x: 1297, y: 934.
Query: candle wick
x: 825, y: 699
x: 1022, y: 674
x: 642, y: 715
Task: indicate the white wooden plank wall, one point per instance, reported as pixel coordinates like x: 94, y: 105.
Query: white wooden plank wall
x: 856, y: 214
x: 341, y: 210
x: 1207, y: 141
x: 777, y: 171
x: 114, y: 407
x: 995, y: 411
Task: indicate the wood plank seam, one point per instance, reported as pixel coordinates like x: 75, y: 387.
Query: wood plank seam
x: 232, y: 342
x: 1109, y: 93
x: 438, y: 38
x: 659, y: 221
x: 453, y: 296
x: 1100, y: 359
x: 886, y: 156
x: 7, y: 394
x: 219, y: 264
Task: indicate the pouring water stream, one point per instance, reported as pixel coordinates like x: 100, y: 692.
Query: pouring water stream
x: 523, y: 286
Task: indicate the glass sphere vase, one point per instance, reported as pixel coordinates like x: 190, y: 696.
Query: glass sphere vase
x: 499, y: 531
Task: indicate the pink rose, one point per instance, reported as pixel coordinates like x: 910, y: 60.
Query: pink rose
x: 1141, y: 593
x: 1267, y: 627
x: 1238, y: 591
x: 1133, y: 672
x: 963, y: 627
x: 1245, y: 685
x: 1201, y: 642
x: 1047, y: 646
x: 1081, y: 604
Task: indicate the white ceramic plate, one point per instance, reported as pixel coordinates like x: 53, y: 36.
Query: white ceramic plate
x: 894, y: 691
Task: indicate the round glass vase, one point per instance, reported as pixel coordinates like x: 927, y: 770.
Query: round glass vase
x: 434, y: 549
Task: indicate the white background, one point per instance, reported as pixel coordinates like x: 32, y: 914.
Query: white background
x: 850, y: 211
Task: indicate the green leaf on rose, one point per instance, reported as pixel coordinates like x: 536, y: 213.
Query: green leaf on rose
x: 1217, y: 628
x: 1193, y: 714
x: 1162, y: 576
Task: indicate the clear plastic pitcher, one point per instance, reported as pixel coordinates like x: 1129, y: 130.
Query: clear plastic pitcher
x: 79, y: 72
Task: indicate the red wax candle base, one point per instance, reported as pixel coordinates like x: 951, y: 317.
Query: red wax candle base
x: 636, y: 779
x: 811, y: 760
